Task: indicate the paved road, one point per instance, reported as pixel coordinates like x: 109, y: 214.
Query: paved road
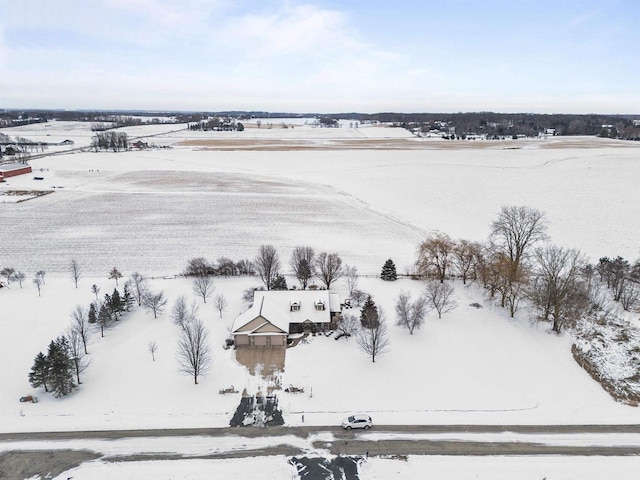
x: 24, y: 464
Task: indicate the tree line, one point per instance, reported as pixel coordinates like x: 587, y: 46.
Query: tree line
x: 110, y: 140
x: 304, y: 264
x: 517, y: 264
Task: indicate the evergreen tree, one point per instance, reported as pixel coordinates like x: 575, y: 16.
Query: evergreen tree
x: 104, y: 319
x: 389, y: 271
x: 116, y: 304
x: 115, y: 274
x: 369, y: 314
x: 128, y: 299
x: 279, y: 283
x: 39, y: 374
x: 60, y: 368
x: 93, y: 315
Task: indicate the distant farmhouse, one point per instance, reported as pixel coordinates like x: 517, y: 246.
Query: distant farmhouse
x: 8, y: 170
x: 276, y: 314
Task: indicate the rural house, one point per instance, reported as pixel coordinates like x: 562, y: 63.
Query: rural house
x: 276, y: 314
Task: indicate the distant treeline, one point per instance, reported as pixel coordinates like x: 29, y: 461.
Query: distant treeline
x: 479, y: 123
x: 509, y: 124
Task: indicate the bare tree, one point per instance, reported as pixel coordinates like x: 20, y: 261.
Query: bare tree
x: 410, y: 314
x: 115, y: 274
x: 302, y: 264
x: 80, y: 324
x: 155, y: 302
x: 139, y: 286
x: 464, y: 258
x: 8, y: 273
x: 194, y: 353
x: 435, y: 256
x: 181, y: 313
x: 630, y: 295
x: 41, y: 274
x: 75, y: 271
x: 153, y: 348
x: 226, y: 267
x: 348, y: 325
x: 374, y: 341
x: 351, y: 276
x: 220, y: 301
x: 19, y: 277
x: 203, y: 287
x: 557, y: 291
x: 245, y: 267
x: 77, y: 353
x: 358, y: 296
x: 199, y: 267
x: 440, y: 297
x: 515, y: 292
x: 37, y: 281
x: 267, y: 265
x: 515, y: 232
x: 328, y: 268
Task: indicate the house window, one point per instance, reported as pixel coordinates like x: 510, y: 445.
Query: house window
x: 319, y: 305
x: 295, y: 306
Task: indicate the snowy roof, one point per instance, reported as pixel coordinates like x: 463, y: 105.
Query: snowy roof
x: 8, y: 167
x: 275, y: 307
x: 261, y: 309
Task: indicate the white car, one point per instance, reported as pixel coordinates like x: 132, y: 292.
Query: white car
x: 357, y: 421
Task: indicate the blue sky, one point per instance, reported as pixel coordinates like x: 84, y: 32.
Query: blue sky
x: 571, y: 56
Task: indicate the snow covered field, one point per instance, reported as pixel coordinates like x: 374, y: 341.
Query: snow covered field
x: 133, y: 208
x: 151, y: 211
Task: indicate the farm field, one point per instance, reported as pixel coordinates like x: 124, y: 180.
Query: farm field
x: 134, y: 207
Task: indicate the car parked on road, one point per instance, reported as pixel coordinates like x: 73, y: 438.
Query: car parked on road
x: 357, y: 420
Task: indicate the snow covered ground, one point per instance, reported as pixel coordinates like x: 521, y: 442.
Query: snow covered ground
x: 151, y: 211
x: 471, y: 366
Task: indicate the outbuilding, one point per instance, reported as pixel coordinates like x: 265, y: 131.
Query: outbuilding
x: 8, y: 170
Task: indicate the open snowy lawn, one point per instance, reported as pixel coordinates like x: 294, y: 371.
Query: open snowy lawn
x: 122, y: 387
x: 471, y: 366
x: 501, y: 468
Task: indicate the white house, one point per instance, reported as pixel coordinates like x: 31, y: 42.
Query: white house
x: 277, y: 313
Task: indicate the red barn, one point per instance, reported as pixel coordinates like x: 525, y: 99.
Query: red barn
x: 12, y: 169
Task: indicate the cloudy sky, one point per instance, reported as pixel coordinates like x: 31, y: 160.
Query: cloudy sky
x: 561, y: 56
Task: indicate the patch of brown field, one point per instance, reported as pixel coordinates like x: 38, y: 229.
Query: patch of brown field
x: 254, y: 144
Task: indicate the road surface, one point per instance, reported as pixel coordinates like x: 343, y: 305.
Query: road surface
x: 23, y: 455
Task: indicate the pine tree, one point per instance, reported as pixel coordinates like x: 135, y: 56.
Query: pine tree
x: 115, y: 305
x: 60, y: 368
x: 93, y: 316
x: 115, y: 274
x: 104, y: 319
x: 389, y: 271
x: 128, y: 299
x: 279, y: 283
x: 369, y: 314
x: 39, y: 374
